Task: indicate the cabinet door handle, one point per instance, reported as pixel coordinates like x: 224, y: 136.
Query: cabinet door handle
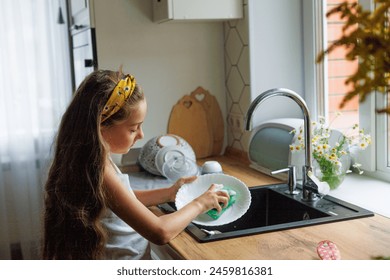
x: 88, y: 63
x: 77, y: 27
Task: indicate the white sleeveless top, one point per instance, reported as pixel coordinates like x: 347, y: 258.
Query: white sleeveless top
x: 123, y: 242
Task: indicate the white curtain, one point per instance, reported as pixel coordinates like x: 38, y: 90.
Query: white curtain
x: 35, y: 88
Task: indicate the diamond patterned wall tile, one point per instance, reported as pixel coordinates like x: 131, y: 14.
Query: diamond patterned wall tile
x: 228, y: 67
x: 235, y: 109
x: 245, y: 100
x: 243, y: 65
x: 235, y: 84
x: 229, y: 103
x: 237, y: 77
x: 234, y: 46
x: 226, y: 29
x: 242, y: 29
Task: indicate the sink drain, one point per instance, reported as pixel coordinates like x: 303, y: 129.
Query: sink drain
x: 306, y: 216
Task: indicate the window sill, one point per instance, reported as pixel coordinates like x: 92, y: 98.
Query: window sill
x: 365, y: 192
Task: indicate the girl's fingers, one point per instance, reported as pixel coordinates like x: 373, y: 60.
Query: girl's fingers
x: 218, y: 207
x: 223, y: 200
x: 212, y: 187
x: 220, y: 198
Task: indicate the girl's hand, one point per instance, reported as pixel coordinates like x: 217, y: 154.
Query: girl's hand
x: 213, y: 199
x: 178, y: 184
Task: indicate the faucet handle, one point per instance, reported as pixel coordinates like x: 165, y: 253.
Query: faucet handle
x: 292, y: 179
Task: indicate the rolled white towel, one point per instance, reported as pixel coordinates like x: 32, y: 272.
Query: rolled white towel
x: 323, y: 187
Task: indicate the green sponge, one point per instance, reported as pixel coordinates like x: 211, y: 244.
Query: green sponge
x: 213, y: 213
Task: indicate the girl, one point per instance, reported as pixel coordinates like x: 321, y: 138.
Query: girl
x: 90, y: 210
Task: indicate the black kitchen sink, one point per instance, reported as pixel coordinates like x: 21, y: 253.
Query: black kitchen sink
x: 273, y: 210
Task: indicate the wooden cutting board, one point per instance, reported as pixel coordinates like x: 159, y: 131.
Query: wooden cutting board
x: 190, y: 121
x: 210, y: 103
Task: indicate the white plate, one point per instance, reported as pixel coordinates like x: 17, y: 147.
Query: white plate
x: 188, y: 192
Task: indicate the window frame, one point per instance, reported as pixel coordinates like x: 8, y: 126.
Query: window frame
x: 375, y: 158
x: 382, y: 159
x: 374, y: 161
x: 315, y: 73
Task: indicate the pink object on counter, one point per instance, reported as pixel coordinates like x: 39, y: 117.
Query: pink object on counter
x: 327, y: 250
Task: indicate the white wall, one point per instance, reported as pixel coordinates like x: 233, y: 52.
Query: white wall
x: 276, y: 54
x: 172, y: 59
x: 168, y: 60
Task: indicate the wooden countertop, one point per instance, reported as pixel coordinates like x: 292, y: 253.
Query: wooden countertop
x: 359, y: 239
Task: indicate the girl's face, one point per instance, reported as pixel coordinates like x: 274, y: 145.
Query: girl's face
x: 122, y: 136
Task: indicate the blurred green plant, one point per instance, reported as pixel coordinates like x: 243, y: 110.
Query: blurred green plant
x: 366, y: 37
x: 381, y: 258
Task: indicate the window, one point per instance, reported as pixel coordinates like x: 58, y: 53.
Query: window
x: 383, y: 140
x: 330, y: 88
x: 339, y: 69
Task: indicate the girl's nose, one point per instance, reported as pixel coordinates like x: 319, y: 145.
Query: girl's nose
x: 141, y: 134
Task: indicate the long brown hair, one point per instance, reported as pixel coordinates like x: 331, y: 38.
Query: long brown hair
x: 74, y: 192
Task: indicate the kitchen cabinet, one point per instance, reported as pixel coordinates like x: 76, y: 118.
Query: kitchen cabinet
x: 166, y: 10
x: 84, y: 54
x: 83, y: 39
x: 80, y: 14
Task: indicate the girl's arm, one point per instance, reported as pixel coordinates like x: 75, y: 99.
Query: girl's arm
x: 158, y: 196
x: 159, y: 230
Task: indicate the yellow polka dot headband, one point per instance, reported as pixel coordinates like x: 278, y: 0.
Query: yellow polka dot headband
x: 122, y: 91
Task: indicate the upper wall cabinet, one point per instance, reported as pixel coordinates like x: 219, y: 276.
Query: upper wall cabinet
x: 81, y: 15
x: 165, y: 10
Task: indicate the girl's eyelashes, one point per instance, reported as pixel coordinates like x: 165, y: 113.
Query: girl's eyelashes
x: 134, y: 129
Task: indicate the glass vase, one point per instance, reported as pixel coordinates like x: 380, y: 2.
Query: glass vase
x: 333, y: 178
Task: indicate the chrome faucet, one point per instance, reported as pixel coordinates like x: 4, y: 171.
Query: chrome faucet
x: 309, y: 188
